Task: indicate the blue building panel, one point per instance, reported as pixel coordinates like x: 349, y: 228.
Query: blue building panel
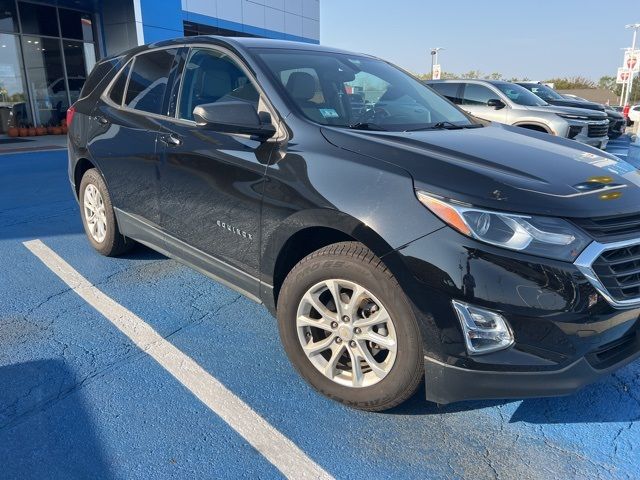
x: 157, y: 20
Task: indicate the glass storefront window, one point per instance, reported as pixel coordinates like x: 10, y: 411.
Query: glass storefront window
x: 44, y: 65
x: 77, y: 25
x: 43, y: 62
x: 14, y: 104
x: 38, y: 19
x: 80, y: 59
x: 8, y: 16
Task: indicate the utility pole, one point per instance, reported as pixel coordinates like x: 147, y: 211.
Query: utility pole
x: 635, y: 27
x: 434, y: 58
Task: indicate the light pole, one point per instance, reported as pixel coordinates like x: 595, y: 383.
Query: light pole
x: 434, y: 58
x: 635, y: 27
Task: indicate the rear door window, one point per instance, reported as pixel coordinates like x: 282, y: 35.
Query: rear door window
x: 448, y: 90
x: 148, y: 81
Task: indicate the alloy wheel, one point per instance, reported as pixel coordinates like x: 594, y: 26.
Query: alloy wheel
x: 346, y: 333
x: 94, y: 213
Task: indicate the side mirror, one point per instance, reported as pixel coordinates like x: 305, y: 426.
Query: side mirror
x: 232, y: 117
x: 495, y: 103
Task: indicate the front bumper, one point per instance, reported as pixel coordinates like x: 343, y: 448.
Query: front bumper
x: 598, y: 142
x: 566, y: 332
x: 448, y: 383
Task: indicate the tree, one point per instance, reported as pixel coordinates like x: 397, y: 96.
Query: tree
x: 609, y: 83
x: 494, y: 76
x: 472, y: 74
x: 571, y: 83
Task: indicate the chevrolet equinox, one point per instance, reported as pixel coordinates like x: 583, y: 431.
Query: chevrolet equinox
x: 394, y: 237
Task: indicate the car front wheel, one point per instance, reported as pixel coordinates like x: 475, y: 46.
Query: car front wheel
x: 347, y: 327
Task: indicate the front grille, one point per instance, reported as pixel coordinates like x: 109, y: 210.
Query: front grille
x: 598, y: 130
x: 607, y: 227
x: 619, y: 272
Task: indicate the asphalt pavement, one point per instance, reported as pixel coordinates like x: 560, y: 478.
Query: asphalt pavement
x: 82, y: 398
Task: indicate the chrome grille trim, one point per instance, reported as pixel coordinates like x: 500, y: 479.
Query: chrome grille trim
x: 585, y: 262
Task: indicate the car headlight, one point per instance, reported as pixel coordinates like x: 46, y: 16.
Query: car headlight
x: 542, y: 236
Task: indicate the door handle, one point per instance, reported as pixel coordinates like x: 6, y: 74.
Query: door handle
x: 171, y: 140
x: 101, y: 120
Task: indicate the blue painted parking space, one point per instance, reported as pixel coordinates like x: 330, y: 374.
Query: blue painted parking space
x: 620, y: 147
x: 80, y: 400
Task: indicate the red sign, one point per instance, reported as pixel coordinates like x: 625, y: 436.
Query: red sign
x: 631, y: 62
x: 624, y: 76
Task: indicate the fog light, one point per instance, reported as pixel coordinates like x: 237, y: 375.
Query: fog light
x: 574, y: 130
x: 484, y: 331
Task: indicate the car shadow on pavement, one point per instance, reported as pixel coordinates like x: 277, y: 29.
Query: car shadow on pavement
x: 45, y: 429
x: 142, y: 252
x: 607, y: 401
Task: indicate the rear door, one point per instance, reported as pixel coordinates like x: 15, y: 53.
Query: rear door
x: 211, y: 182
x: 126, y: 124
x: 474, y: 100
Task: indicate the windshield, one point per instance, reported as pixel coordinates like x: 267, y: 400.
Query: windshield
x: 358, y: 92
x: 544, y: 92
x: 520, y: 95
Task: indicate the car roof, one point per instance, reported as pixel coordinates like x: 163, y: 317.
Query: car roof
x: 467, y: 80
x: 244, y: 43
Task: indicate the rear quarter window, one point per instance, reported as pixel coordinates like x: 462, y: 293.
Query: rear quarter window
x: 117, y: 90
x: 101, y: 71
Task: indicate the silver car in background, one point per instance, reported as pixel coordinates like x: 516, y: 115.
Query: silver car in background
x: 508, y: 103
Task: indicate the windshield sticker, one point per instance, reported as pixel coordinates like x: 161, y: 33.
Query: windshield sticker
x: 328, y: 113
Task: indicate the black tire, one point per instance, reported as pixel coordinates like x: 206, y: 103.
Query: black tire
x: 114, y: 243
x: 353, y: 262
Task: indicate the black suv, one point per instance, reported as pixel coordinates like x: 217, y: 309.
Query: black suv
x: 395, y: 241
x: 617, y: 123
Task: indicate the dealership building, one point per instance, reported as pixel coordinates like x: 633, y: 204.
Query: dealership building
x: 47, y: 47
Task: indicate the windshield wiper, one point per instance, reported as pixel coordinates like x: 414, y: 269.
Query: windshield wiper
x: 366, y: 126
x: 445, y: 125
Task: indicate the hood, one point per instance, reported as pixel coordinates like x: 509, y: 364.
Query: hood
x: 592, y: 114
x: 613, y: 114
x: 505, y: 168
x: 577, y: 104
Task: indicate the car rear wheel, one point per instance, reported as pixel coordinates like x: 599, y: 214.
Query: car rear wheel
x: 347, y: 327
x: 98, y: 216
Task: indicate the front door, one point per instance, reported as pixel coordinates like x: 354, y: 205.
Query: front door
x: 211, y: 183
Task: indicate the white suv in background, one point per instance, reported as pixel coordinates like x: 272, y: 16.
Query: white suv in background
x: 634, y: 113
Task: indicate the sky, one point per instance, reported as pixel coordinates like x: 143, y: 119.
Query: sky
x: 538, y: 39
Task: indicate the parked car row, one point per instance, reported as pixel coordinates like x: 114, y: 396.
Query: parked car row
x: 534, y: 106
x: 617, y: 122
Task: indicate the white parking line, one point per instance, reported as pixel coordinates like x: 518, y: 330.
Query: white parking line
x: 274, y: 446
